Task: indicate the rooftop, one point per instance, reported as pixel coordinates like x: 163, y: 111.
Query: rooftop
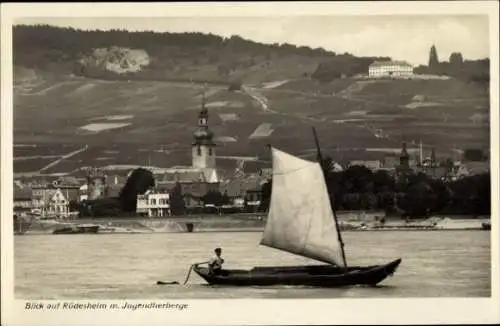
x: 21, y: 192
x: 390, y: 63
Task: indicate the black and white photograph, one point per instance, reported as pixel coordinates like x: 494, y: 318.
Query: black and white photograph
x: 277, y: 156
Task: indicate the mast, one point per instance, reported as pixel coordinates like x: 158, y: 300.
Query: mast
x: 339, y: 235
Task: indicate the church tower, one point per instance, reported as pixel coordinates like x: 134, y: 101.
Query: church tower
x: 203, y: 151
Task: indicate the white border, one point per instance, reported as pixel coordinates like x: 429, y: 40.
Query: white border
x: 250, y: 312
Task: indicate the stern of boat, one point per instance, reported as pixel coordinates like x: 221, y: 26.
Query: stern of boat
x: 203, y: 273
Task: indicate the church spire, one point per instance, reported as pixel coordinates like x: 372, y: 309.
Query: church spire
x: 433, y: 157
x: 204, y: 111
x: 203, y: 135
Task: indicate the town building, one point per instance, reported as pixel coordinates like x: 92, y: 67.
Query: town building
x: 22, y: 199
x: 253, y: 199
x: 194, y: 181
x: 372, y: 165
x: 100, y: 183
x: 70, y: 187
x: 153, y: 203
x: 464, y: 169
x: 390, y: 162
x: 429, y: 161
x: 83, y: 192
x: 246, y: 190
x: 390, y: 69
x: 193, y: 203
x: 50, y: 202
x: 53, y: 199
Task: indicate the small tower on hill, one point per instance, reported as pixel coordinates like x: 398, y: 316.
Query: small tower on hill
x: 433, y: 57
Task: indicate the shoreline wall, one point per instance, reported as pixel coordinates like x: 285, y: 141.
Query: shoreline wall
x: 247, y: 222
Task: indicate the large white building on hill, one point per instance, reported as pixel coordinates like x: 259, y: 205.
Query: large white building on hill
x: 390, y: 69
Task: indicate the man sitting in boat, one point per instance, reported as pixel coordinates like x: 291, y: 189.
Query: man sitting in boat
x: 215, y: 264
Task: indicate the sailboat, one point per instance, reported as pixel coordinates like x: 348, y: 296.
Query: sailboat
x: 301, y: 222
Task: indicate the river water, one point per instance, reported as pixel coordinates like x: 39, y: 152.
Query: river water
x: 127, y: 266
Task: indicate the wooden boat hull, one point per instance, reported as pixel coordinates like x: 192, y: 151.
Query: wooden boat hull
x: 486, y: 226
x: 320, y: 276
x: 77, y: 230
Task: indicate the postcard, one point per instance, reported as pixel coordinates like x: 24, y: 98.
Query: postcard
x: 247, y: 163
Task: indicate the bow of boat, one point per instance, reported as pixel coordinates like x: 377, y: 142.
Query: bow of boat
x: 391, y: 267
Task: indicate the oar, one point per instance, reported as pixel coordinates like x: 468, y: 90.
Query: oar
x: 187, y: 276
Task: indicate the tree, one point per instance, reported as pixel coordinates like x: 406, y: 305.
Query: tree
x: 177, y: 204
x: 327, y: 165
x: 102, y: 207
x: 418, y: 197
x: 212, y: 197
x: 225, y: 199
x: 382, y: 182
x: 266, y: 195
x: 358, y: 179
x: 441, y: 194
x: 482, y: 199
x: 138, y: 183
x: 456, y: 59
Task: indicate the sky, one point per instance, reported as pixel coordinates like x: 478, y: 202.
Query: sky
x: 402, y: 37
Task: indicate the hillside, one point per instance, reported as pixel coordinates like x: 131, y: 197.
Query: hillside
x: 134, y: 104
x: 152, y: 121
x: 127, y: 55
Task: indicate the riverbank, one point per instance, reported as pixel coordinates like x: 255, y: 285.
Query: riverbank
x: 250, y: 223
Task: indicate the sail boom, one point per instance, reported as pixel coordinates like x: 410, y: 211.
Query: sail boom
x: 319, y: 259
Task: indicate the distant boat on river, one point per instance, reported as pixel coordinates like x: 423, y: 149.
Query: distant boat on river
x: 486, y: 226
x: 77, y: 229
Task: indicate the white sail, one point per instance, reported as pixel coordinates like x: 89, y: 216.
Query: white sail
x: 300, y: 219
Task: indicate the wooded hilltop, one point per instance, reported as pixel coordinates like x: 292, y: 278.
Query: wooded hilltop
x: 202, y: 57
